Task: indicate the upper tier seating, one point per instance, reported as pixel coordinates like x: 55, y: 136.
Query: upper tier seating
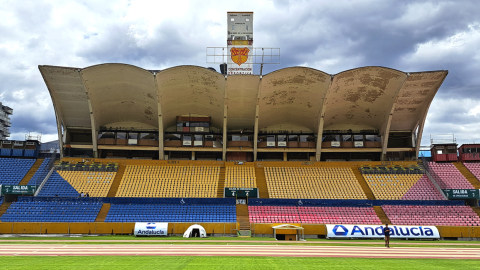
x: 57, y: 186
x: 169, y: 181
x: 52, y: 212
x: 171, y: 213
x: 474, y: 168
x: 315, y: 215
x: 423, y: 190
x: 313, y: 183
x: 96, y: 184
x: 40, y: 174
x: 434, y: 215
x: 448, y: 176
x: 240, y: 177
x: 12, y: 170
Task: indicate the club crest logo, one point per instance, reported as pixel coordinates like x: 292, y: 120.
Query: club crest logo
x: 239, y: 55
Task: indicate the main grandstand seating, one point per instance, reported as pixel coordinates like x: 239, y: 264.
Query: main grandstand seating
x: 12, y: 170
x: 448, y: 176
x: 169, y: 181
x: 319, y: 215
x: 240, y: 177
x: 402, y: 186
x: 57, y: 186
x: 313, y: 183
x: 96, y: 184
x: 170, y: 213
x: 40, y: 174
x: 52, y: 211
x: 443, y: 215
x: 423, y: 190
x: 474, y: 168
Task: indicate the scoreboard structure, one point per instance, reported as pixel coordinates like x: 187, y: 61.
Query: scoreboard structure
x: 240, y: 43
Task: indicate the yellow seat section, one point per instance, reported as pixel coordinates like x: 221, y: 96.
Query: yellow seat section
x: 390, y: 186
x: 240, y: 177
x: 169, y: 181
x: 96, y: 184
x: 313, y: 183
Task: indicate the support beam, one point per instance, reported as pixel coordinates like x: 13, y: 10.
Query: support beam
x: 92, y: 118
x: 225, y: 114
x: 321, y: 121
x: 161, y: 139
x: 58, y: 116
x: 385, y: 131
x: 255, y: 129
x: 424, y: 117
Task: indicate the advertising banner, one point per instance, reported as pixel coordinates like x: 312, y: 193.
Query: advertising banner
x: 376, y: 231
x: 241, y: 192
x: 335, y: 144
x: 271, y: 144
x: 187, y: 143
x: 358, y: 144
x: 150, y: 229
x: 282, y: 144
x: 462, y: 193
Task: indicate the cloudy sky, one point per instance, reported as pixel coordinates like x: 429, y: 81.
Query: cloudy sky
x: 331, y: 36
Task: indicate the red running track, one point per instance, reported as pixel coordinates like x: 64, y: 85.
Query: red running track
x: 237, y: 250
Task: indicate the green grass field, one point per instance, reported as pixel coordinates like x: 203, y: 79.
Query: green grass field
x: 189, y: 262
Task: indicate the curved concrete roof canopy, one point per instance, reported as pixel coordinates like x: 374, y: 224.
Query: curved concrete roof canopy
x: 295, y: 99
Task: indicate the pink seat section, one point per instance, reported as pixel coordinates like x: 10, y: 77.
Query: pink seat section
x: 474, y: 168
x: 313, y: 215
x: 434, y: 215
x: 448, y: 176
x: 423, y: 190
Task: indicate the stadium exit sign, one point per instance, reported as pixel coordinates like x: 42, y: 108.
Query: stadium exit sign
x: 241, y: 193
x: 462, y: 193
x: 18, y: 190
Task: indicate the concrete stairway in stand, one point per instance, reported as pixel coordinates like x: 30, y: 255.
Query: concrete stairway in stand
x: 381, y: 215
x: 4, y: 207
x: 261, y: 183
x: 243, y: 220
x: 102, y: 214
x: 361, y: 180
x: 116, y: 181
x: 31, y: 172
x: 470, y: 177
x: 221, y: 183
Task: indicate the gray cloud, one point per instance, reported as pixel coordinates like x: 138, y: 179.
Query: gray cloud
x: 329, y: 36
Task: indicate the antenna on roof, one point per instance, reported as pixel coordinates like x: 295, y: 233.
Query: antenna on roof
x: 441, y: 67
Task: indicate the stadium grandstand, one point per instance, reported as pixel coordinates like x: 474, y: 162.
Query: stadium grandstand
x: 238, y: 154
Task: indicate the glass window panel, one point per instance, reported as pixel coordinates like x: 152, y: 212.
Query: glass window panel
x: 133, y: 135
x: 293, y: 138
x: 235, y: 138
x: 121, y: 135
x: 347, y: 138
x: 358, y: 138
x: 270, y: 138
x: 282, y: 138
x: 198, y: 137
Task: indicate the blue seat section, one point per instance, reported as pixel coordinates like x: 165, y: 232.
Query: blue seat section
x: 40, y: 174
x: 52, y: 211
x: 5, y: 152
x: 345, y: 203
x: 171, y: 213
x: 29, y: 153
x: 57, y: 186
x: 12, y: 170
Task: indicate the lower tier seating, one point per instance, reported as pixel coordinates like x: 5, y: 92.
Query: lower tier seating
x: 423, y: 190
x: 52, y: 212
x: 56, y: 186
x: 96, y: 184
x: 448, y: 176
x: 171, y: 213
x: 313, y: 183
x: 314, y: 215
x: 434, y: 215
x: 12, y: 170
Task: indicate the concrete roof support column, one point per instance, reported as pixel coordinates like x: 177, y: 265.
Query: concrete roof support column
x: 225, y: 108
x: 386, y: 127
x: 321, y: 122
x: 161, y: 139
x: 255, y: 129
x: 60, y: 134
x: 92, y: 119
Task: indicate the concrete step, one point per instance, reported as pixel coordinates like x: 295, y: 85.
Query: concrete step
x: 31, y: 172
x: 261, y: 183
